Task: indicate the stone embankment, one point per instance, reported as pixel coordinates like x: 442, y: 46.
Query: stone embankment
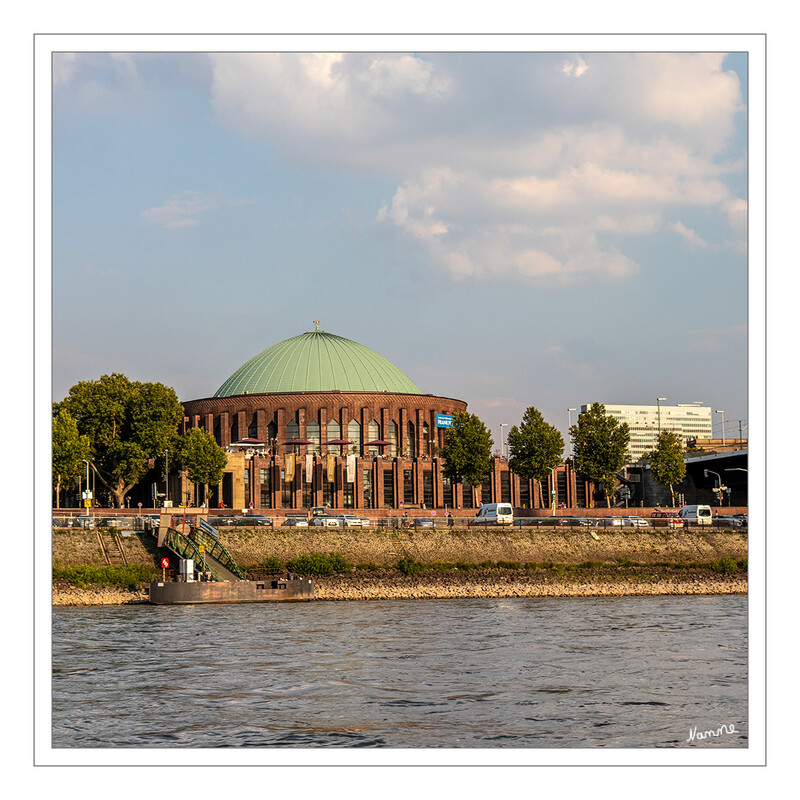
x: 512, y: 583
x: 569, y: 563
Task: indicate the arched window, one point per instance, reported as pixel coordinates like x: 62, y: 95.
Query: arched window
x: 391, y: 435
x: 252, y: 430
x: 411, y: 441
x: 292, y: 431
x: 426, y: 440
x: 334, y: 432
x: 313, y: 435
x: 373, y: 435
x: 354, y: 435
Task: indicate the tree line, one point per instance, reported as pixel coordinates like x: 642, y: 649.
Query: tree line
x: 121, y: 429
x: 599, y: 450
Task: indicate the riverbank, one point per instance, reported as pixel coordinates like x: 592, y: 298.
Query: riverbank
x: 394, y: 585
x: 554, y: 563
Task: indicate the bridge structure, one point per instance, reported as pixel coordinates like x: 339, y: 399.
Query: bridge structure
x: 715, y: 479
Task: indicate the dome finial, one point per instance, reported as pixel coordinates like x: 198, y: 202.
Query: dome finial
x: 316, y: 322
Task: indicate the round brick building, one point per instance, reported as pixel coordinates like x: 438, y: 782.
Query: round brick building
x: 322, y: 420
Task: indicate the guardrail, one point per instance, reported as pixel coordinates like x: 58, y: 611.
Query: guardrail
x: 611, y: 523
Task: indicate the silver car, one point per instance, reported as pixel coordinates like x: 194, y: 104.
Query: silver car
x: 325, y: 522
x: 352, y: 521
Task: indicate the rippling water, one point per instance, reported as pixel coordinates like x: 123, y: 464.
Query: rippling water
x: 535, y: 672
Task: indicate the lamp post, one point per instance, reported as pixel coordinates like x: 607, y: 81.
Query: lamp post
x: 718, y: 411
x: 569, y: 425
x: 502, y: 442
x: 719, y: 483
x: 658, y: 401
x: 88, y: 492
x: 166, y: 477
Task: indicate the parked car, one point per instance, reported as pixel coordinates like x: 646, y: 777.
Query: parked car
x: 254, y: 521
x: 666, y: 518
x: 725, y: 521
x: 576, y: 522
x: 423, y: 522
x: 609, y: 522
x: 352, y: 521
x: 324, y: 522
x: 295, y: 522
x: 635, y: 522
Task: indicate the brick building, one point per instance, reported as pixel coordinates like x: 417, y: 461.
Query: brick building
x: 322, y: 420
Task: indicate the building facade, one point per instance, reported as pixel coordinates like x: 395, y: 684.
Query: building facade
x: 688, y: 421
x: 319, y: 420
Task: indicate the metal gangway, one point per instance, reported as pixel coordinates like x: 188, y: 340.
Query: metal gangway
x: 200, y: 543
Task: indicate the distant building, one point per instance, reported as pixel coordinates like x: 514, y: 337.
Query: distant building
x: 688, y: 421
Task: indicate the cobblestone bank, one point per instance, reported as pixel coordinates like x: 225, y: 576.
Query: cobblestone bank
x: 489, y: 583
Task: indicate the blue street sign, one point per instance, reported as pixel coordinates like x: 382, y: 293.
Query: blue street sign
x: 444, y: 421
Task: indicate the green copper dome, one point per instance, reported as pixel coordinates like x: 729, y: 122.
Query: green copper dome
x: 317, y: 362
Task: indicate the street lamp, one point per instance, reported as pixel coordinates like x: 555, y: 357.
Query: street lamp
x: 166, y: 477
x: 569, y: 425
x: 723, y: 426
x: 502, y: 443
x: 719, y: 482
x: 88, y: 492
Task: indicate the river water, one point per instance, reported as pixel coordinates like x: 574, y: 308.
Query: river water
x: 630, y: 672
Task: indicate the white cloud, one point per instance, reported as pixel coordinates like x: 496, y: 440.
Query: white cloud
x: 537, y: 174
x: 575, y: 66
x: 183, y: 209
x: 180, y: 211
x: 688, y: 235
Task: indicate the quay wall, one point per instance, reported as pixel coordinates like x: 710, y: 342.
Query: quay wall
x: 384, y: 548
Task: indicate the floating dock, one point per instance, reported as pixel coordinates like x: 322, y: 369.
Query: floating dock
x: 204, y: 570
x: 271, y: 590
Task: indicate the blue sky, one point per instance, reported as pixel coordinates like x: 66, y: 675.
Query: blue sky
x: 510, y: 229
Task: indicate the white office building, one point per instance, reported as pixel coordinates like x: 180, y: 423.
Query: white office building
x: 688, y: 420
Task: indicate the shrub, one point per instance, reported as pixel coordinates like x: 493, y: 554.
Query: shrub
x: 726, y: 565
x: 123, y: 577
x: 273, y: 564
x: 319, y: 564
x: 408, y: 566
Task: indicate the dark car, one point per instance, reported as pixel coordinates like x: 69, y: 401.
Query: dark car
x: 724, y: 521
x: 295, y: 522
x: 254, y: 521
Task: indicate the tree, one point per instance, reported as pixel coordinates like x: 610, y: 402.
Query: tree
x: 535, y: 448
x: 666, y: 461
x: 69, y: 451
x: 600, y: 446
x: 127, y: 423
x: 467, y: 450
x: 203, y: 458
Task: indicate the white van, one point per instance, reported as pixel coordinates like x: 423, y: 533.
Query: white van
x: 495, y: 513
x: 700, y: 515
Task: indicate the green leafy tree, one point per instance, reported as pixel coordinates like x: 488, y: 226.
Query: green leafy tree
x: 600, y: 445
x: 666, y: 461
x: 69, y: 451
x: 127, y: 423
x: 203, y: 458
x: 535, y: 448
x: 467, y: 450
